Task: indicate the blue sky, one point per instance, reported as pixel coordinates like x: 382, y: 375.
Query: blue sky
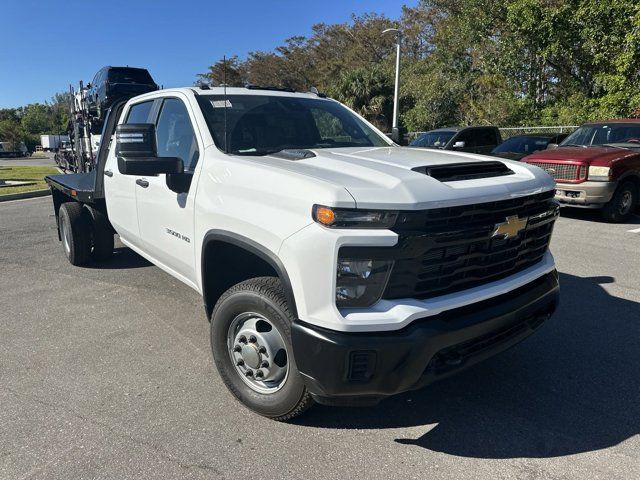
x: 45, y: 45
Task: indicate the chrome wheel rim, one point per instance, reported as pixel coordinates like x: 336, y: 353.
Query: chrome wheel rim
x: 626, y: 202
x: 66, y: 236
x: 258, y: 352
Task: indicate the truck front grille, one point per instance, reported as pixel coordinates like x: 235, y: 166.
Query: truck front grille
x: 446, y: 250
x: 569, y: 172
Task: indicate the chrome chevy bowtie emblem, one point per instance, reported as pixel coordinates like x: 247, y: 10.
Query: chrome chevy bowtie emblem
x: 510, y: 228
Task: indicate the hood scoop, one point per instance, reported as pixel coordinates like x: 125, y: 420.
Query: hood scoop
x: 294, y: 154
x: 456, y: 172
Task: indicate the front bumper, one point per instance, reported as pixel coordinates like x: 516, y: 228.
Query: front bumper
x: 585, y: 194
x: 341, y: 367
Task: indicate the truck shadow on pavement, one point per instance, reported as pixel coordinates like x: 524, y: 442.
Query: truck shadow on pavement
x: 574, y: 386
x: 123, y: 258
x: 594, y: 215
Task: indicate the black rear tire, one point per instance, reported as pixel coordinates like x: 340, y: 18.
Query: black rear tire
x: 622, y: 205
x: 102, y: 235
x: 75, y: 232
x: 263, y: 296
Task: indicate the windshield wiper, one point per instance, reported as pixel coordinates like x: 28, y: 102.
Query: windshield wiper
x: 298, y: 152
x: 261, y: 153
x: 572, y: 145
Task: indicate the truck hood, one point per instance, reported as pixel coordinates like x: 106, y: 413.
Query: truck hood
x: 590, y: 155
x: 382, y: 177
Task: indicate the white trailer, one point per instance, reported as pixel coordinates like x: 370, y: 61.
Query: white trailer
x: 52, y: 142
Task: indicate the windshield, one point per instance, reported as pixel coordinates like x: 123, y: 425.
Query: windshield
x: 263, y: 124
x: 433, y: 139
x: 601, y: 134
x: 522, y: 145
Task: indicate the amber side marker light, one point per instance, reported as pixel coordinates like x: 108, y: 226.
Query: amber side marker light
x: 325, y: 215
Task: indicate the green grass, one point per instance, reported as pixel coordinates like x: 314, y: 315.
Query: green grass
x: 32, y: 174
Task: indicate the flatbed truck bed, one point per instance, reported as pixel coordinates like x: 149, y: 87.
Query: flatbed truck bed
x: 80, y: 186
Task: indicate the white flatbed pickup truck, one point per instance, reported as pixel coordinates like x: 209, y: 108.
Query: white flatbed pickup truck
x: 335, y: 266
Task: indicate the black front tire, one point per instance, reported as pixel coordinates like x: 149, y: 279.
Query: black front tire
x: 75, y: 232
x: 622, y: 205
x: 264, y: 296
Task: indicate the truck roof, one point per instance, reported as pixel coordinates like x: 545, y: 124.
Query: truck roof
x: 614, y: 120
x: 124, y: 67
x: 230, y: 91
x: 457, y: 129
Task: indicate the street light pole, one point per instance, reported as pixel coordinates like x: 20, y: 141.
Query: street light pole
x: 395, y: 130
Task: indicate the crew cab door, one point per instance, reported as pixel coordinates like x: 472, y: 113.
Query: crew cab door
x: 475, y: 140
x: 120, y: 190
x: 166, y: 218
x: 486, y: 140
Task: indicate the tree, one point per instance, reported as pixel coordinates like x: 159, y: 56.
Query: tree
x: 369, y: 91
x: 60, y: 111
x: 229, y: 71
x: 10, y: 131
x: 37, y: 119
x: 505, y: 62
x: 26, y: 124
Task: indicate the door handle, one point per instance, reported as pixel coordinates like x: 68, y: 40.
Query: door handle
x: 142, y: 183
x: 108, y: 173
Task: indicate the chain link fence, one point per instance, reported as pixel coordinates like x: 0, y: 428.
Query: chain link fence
x: 508, y: 132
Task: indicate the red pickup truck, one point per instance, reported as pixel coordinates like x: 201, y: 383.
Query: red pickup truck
x: 597, y: 166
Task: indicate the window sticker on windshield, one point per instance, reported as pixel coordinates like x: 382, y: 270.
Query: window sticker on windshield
x: 221, y: 104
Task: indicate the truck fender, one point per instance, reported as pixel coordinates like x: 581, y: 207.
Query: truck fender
x: 252, y: 248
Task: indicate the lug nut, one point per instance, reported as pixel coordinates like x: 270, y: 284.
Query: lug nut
x: 240, y: 362
x: 237, y: 348
x: 262, y: 349
x: 253, y: 339
x: 243, y: 339
x: 264, y: 364
x: 249, y: 373
x: 259, y: 374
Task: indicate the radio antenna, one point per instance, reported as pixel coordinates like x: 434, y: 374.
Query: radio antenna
x: 224, y: 86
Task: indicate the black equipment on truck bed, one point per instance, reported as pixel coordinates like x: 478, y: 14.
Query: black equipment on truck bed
x: 88, y: 187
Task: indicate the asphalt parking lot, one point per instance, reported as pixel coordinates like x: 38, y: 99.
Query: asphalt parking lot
x: 106, y: 372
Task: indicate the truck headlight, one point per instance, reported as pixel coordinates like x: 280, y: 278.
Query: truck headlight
x: 599, y: 174
x: 360, y: 283
x: 353, y: 217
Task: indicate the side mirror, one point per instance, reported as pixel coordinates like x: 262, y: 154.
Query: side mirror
x: 137, y: 152
x: 459, y: 144
x: 179, y: 182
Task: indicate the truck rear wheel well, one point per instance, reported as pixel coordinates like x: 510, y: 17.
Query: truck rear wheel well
x: 635, y: 179
x: 228, y: 259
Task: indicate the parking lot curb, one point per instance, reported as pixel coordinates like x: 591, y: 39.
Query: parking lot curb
x: 23, y: 195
